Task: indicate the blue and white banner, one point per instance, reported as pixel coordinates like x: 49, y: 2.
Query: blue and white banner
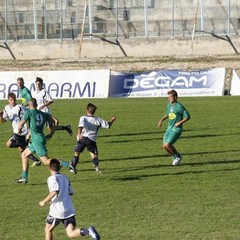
x: 60, y: 84
x: 235, y: 86
x: 207, y: 82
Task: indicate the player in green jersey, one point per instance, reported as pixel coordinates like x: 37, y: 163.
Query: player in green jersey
x: 36, y: 120
x: 176, y: 114
x: 24, y: 92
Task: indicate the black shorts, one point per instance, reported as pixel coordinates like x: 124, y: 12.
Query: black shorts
x: 55, y: 221
x: 18, y: 140
x: 86, y: 143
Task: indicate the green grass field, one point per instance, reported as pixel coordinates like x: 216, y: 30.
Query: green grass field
x: 140, y: 195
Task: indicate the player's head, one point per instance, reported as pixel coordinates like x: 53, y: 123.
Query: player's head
x: 12, y: 98
x: 172, y: 96
x: 91, y: 108
x: 20, y: 82
x: 54, y: 165
x: 32, y: 103
x: 39, y: 83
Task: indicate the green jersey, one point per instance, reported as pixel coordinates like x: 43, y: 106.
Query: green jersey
x: 25, y: 95
x: 176, y: 112
x: 36, y: 120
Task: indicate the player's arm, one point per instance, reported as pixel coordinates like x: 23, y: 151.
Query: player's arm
x: 162, y: 120
x: 79, y: 133
x: 182, y: 121
x: 48, y: 199
x: 47, y: 99
x: 2, y: 120
x: 52, y: 126
x: 186, y: 117
x: 112, y: 121
x: 20, y: 126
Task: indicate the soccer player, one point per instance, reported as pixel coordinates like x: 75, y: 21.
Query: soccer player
x: 43, y: 101
x: 36, y: 120
x: 61, y: 208
x: 14, y: 113
x: 176, y: 114
x: 24, y: 92
x: 87, y: 136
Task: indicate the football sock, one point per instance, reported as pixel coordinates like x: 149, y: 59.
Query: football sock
x: 25, y: 174
x: 95, y: 161
x: 33, y: 158
x: 64, y: 163
x: 84, y: 231
x: 75, y: 161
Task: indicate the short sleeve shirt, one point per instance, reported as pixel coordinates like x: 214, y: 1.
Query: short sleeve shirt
x: 176, y: 112
x: 37, y: 120
x: 42, y: 97
x: 15, y: 115
x: 25, y: 94
x: 90, y: 125
x: 61, y: 206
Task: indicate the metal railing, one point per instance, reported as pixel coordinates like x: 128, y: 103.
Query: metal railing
x: 63, y: 19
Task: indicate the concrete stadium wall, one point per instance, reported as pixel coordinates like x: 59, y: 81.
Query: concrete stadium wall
x: 45, y: 49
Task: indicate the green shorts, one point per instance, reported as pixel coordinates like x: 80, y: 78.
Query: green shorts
x: 38, y: 147
x: 172, y: 135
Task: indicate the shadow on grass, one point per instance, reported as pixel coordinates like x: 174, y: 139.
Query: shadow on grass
x: 164, y: 155
x: 161, y: 135
x: 144, y: 176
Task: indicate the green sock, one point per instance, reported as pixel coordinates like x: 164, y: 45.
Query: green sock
x: 64, y: 163
x: 25, y: 174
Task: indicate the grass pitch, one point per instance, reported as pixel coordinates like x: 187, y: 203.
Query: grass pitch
x: 140, y: 195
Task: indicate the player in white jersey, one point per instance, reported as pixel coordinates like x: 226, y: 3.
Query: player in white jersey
x: 61, y: 208
x: 14, y: 113
x: 87, y: 136
x: 43, y: 101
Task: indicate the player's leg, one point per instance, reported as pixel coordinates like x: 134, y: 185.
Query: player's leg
x: 48, y: 231
x: 77, y: 232
x: 95, y: 162
x: 93, y: 150
x: 169, y: 139
x: 78, y: 149
x: 73, y: 232
x: 17, y: 140
x: 25, y: 166
x: 45, y: 159
x: 51, y: 223
x: 67, y: 128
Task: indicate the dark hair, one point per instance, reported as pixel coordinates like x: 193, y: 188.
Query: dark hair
x: 173, y: 92
x: 91, y: 108
x: 33, y: 101
x: 12, y: 95
x: 20, y: 79
x: 38, y: 79
x: 55, y: 165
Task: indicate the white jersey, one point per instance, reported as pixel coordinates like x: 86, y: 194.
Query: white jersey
x: 61, y: 205
x: 90, y: 125
x: 15, y: 115
x: 42, y: 97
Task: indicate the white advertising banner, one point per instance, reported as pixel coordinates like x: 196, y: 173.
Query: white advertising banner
x: 60, y: 84
x: 206, y: 82
x: 235, y: 86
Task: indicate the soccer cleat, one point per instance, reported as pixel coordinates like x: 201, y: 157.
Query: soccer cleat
x: 97, y: 169
x: 93, y: 233
x: 22, y: 180
x: 68, y: 128
x: 72, y: 169
x: 48, y: 137
x: 177, y: 160
x: 36, y: 163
